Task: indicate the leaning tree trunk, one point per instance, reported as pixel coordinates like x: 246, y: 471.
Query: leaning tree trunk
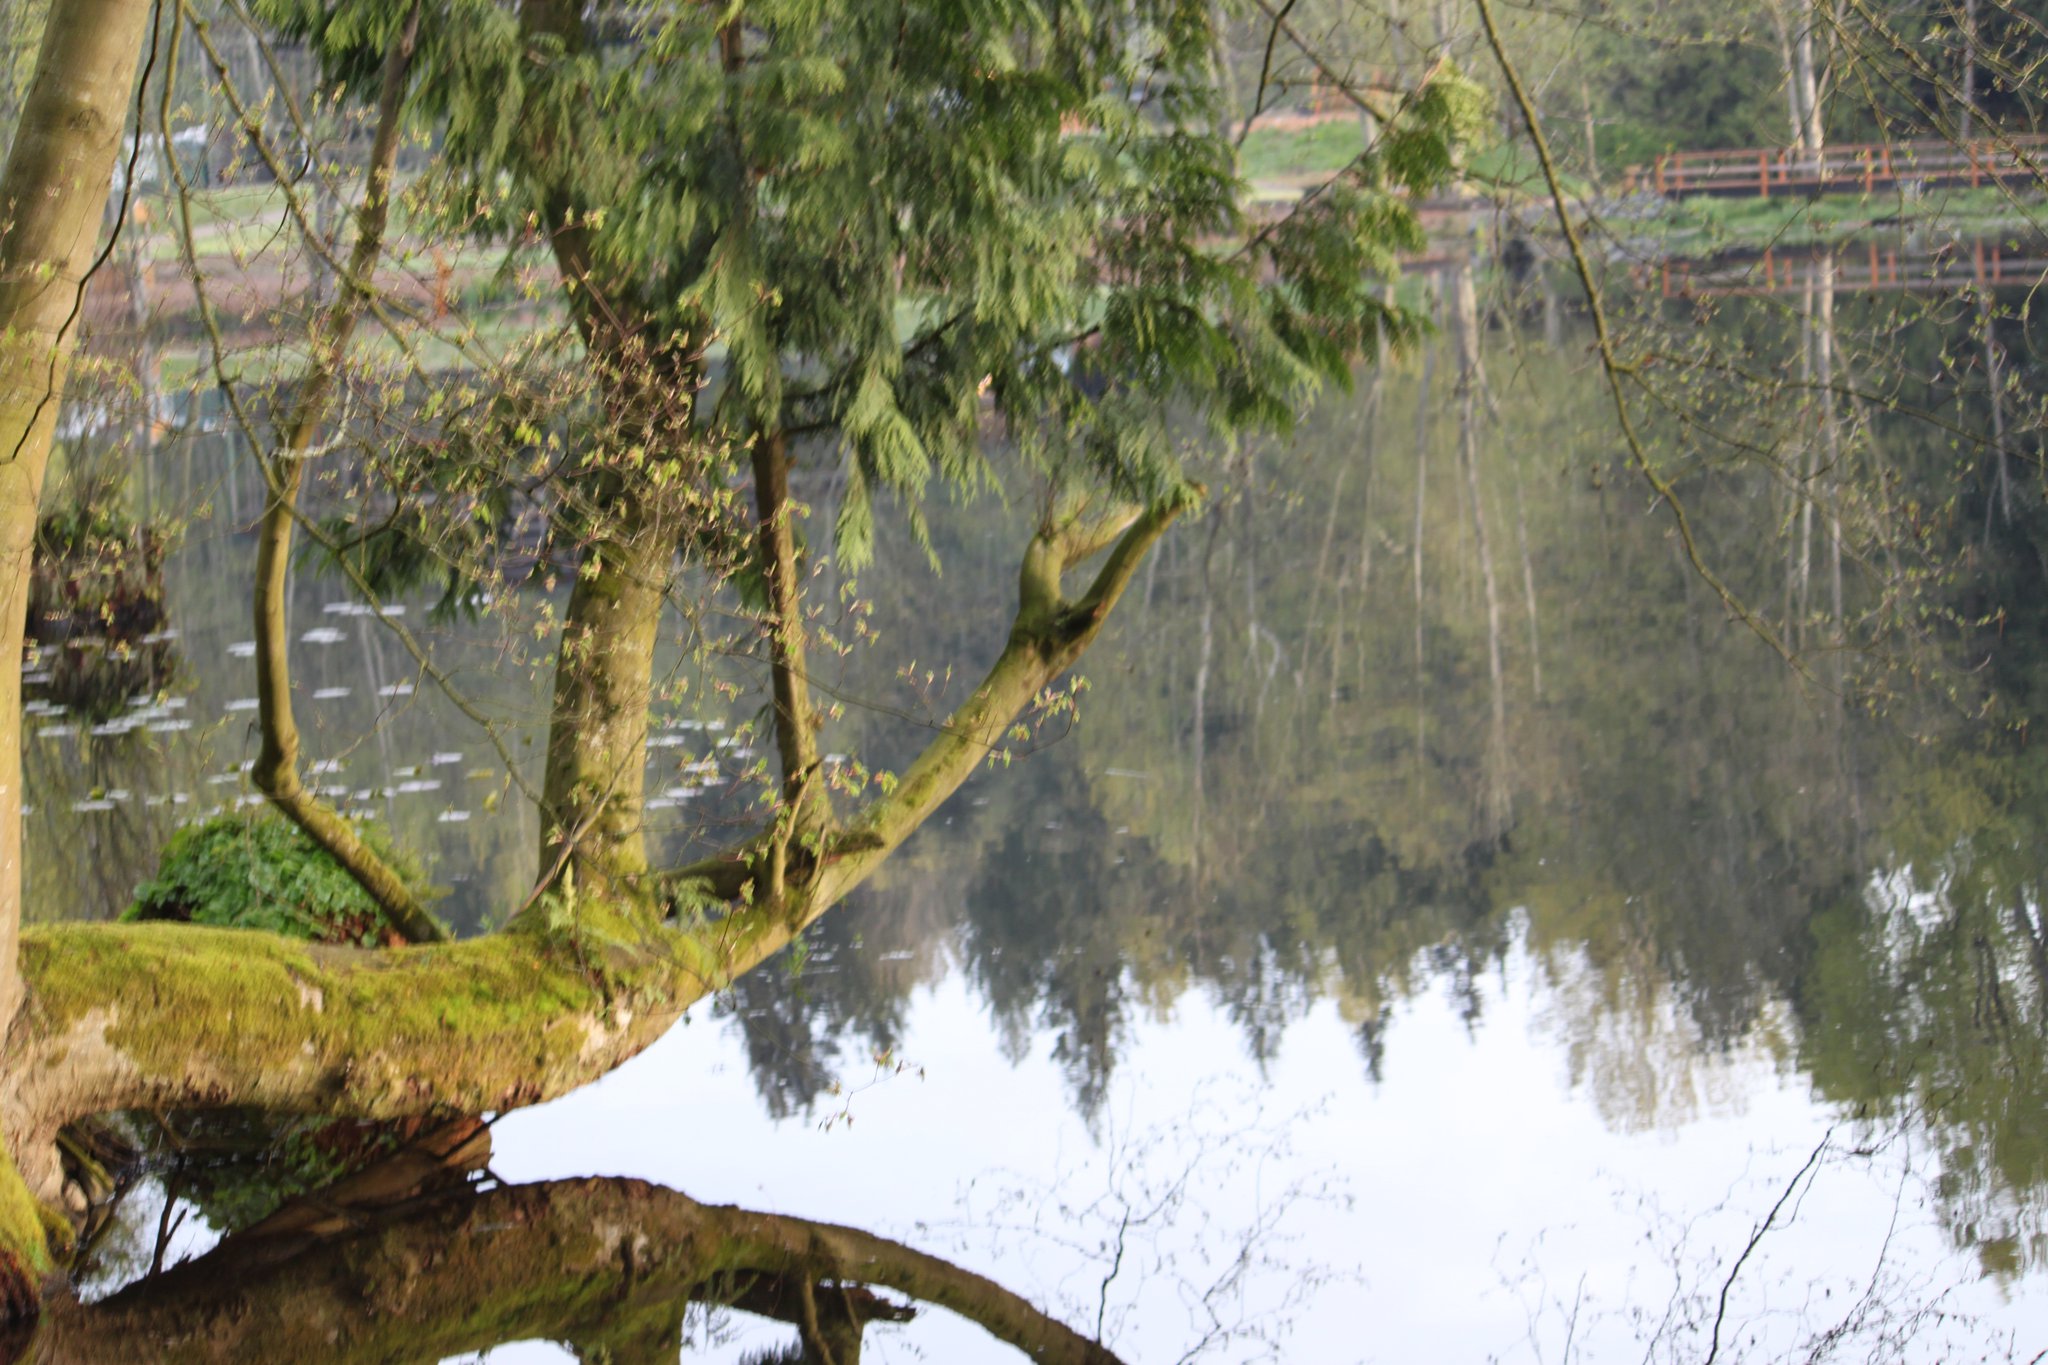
x: 276, y: 773
x: 52, y: 194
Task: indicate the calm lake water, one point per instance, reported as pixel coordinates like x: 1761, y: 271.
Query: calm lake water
x: 1387, y: 966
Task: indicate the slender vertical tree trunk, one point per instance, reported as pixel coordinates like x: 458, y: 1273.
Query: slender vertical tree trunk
x: 1812, y: 133
x: 1495, y: 802
x: 1831, y: 430
x: 1592, y: 142
x: 1802, y: 576
x: 1421, y: 493
x: 1794, y: 108
x: 1528, y: 581
x: 1994, y: 378
x: 796, y: 729
x: 1966, y: 79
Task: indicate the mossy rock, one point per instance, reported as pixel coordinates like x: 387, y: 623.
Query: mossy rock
x: 263, y: 872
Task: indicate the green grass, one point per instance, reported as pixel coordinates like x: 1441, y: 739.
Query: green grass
x: 1272, y: 153
x: 1702, y: 225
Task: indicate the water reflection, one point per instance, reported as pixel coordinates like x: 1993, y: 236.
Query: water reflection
x: 1431, y: 695
x: 420, y: 1255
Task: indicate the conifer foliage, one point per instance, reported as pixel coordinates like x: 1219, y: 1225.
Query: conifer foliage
x: 880, y: 238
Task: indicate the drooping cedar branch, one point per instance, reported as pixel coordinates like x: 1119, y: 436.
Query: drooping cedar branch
x: 276, y: 773
x: 605, y: 1263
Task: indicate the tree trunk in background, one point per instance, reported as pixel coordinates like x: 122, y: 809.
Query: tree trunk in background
x: 1831, y: 428
x: 596, y: 780
x: 1421, y: 492
x: 796, y: 727
x: 1966, y: 80
x: 1801, y: 577
x: 1812, y: 136
x: 1994, y: 377
x: 1495, y: 802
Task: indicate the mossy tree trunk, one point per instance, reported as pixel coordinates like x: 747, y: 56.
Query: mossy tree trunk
x: 608, y: 1265
x: 53, y: 194
x: 604, y: 679
x: 167, y: 1016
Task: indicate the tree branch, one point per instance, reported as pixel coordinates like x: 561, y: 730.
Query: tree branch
x: 580, y: 1260
x: 276, y: 772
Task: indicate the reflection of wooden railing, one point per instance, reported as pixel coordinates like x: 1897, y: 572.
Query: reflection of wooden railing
x: 1849, y: 168
x: 1857, y: 268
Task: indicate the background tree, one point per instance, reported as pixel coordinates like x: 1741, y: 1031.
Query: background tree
x: 742, y: 218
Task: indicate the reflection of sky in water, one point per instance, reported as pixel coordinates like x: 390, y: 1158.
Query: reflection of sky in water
x: 1459, y: 1207
x: 1590, y: 1142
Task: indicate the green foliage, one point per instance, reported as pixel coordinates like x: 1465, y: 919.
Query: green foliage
x: 264, y: 873
x: 900, y: 228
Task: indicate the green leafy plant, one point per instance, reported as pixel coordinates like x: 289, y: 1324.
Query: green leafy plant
x: 239, y: 872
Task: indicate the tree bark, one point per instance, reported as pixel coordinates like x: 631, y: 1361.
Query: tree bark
x: 595, y: 787
x: 52, y: 195
x: 796, y: 727
x: 276, y: 772
x: 166, y: 1016
x: 589, y: 1261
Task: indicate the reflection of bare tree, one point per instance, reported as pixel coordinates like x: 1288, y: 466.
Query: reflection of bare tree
x: 408, y: 1260
x: 1495, y: 799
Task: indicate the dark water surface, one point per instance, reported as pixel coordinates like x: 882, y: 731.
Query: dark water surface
x: 1370, y: 974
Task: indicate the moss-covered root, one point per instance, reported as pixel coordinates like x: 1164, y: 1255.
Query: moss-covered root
x: 24, y: 1252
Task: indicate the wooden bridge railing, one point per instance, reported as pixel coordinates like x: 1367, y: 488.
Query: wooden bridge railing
x: 1854, y: 268
x: 1850, y: 167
